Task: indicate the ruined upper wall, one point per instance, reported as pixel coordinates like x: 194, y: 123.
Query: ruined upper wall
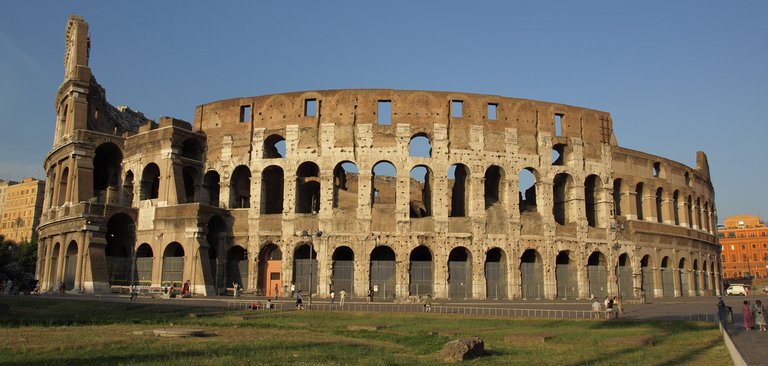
x: 420, y: 109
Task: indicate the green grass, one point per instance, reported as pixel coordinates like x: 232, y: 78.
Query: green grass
x: 43, y: 331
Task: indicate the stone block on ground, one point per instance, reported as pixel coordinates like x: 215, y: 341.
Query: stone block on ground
x: 463, y: 349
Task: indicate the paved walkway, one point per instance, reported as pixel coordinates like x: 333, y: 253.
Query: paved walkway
x: 751, y: 344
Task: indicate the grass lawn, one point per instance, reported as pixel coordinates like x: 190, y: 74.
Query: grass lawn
x: 38, y: 331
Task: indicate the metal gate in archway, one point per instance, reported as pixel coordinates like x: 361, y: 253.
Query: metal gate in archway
x: 598, y: 281
x: 118, y: 270
x: 648, y: 284
x: 302, y: 275
x: 237, y: 271
x: 383, y: 279
x: 496, y: 280
x: 567, y: 281
x: 683, y: 274
x: 343, y: 276
x: 421, y: 278
x: 172, y: 270
x: 667, y: 283
x: 532, y: 280
x: 459, y: 280
x: 144, y: 270
x: 625, y: 281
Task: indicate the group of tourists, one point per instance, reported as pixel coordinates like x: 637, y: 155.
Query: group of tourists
x: 342, y: 297
x: 753, y: 315
x: 611, y: 307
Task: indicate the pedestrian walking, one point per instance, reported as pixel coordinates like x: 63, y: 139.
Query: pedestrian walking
x: 370, y: 294
x: 746, y: 313
x: 758, y: 312
x: 277, y: 291
x: 596, y: 309
x: 428, y: 304
x: 234, y: 288
x: 333, y: 297
x: 134, y: 292
x: 720, y: 309
x: 299, y: 301
x: 342, y: 296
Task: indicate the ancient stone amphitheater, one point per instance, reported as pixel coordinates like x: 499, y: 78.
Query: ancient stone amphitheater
x: 403, y: 193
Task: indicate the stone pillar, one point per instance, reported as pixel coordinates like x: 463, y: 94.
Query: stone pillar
x: 79, y: 269
x: 440, y: 270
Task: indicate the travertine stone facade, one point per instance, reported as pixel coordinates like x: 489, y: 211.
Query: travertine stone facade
x: 255, y: 184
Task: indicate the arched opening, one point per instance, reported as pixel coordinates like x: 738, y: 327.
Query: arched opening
x: 667, y: 282
x: 343, y: 277
x: 173, y: 265
x: 107, y: 160
x: 566, y: 275
x: 420, y: 272
x: 682, y: 274
x: 420, y: 192
x: 308, y: 188
x: 496, y: 274
x: 305, y: 269
x: 240, y: 188
x: 695, y: 273
x: 460, y: 274
x: 274, y: 147
x: 70, y: 265
x: 494, y: 188
x: 706, y: 276
x: 698, y: 213
x: 383, y: 272
x: 191, y: 180
x: 383, y: 196
x: 597, y: 271
x: 660, y: 205
x: 121, y: 238
x: 458, y: 175
x: 689, y: 212
x: 211, y: 189
x: 63, y: 187
x: 217, y: 239
x: 706, y: 216
x: 345, y: 185
x: 272, y: 179
x: 53, y: 266
x: 419, y: 146
x: 639, y: 201
x: 676, y: 206
x: 558, y: 154
x: 617, y: 197
x: 591, y: 187
x: 527, y: 190
x: 563, y: 196
x: 150, y: 182
x: 144, y: 258
x: 624, y: 273
x: 646, y: 269
x: 531, y: 275
x: 191, y: 148
x: 270, y: 271
x: 126, y: 197
x: 237, y: 267
x: 656, y: 170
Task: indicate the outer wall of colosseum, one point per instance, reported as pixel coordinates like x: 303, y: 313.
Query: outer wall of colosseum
x: 288, y: 189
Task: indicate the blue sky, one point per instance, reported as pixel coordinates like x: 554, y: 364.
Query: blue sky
x: 676, y: 76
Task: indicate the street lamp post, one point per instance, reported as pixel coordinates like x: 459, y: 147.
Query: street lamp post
x: 305, y: 234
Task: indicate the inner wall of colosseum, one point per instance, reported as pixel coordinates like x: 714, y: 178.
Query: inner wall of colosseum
x: 406, y: 193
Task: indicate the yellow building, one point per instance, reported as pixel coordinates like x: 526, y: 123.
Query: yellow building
x: 21, y: 212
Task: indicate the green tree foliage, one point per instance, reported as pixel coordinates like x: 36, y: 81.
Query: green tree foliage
x: 17, y: 261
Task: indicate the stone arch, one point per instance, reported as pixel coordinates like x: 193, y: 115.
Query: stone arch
x: 494, y: 187
x: 420, y: 146
x: 211, y: 189
x: 274, y: 147
x: 343, y: 270
x: 624, y: 276
x: 144, y: 261
x: 618, y: 190
x: 237, y: 267
x: 496, y: 274
x: 150, y: 182
x: 107, y: 162
x: 346, y: 180
x: 121, y: 239
x: 126, y: 196
x: 63, y: 183
x: 705, y: 275
x: 192, y: 149
x: 531, y: 275
x: 460, y: 273
x: 639, y: 192
x: 420, y: 271
x: 528, y: 180
x: 676, y: 206
x: 70, y: 265
x: 592, y: 190
x: 308, y: 188
x: 689, y: 211
x: 560, y: 154
x: 216, y: 236
x: 660, y: 205
x: 562, y: 194
x: 272, y: 185
x: 173, y: 264
x: 566, y: 275
x: 667, y: 281
x: 270, y: 271
x: 458, y: 178
x: 53, y: 265
x: 305, y: 268
x: 682, y: 277
x: 240, y: 188
x: 421, y: 184
x: 695, y: 272
x: 191, y: 179
x: 597, y: 273
x: 382, y: 272
x: 648, y: 285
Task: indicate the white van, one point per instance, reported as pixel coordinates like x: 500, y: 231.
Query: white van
x: 737, y: 289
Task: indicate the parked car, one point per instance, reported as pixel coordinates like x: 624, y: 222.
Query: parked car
x: 737, y: 289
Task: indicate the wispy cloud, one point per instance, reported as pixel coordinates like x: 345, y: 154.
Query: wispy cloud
x: 9, y: 52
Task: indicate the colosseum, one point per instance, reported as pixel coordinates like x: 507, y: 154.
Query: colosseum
x: 406, y: 193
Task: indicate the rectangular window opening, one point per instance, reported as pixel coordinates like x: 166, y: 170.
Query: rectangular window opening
x: 384, y: 113
x: 310, y: 107
x: 457, y: 108
x: 559, y: 124
x: 245, y: 113
x: 492, y: 111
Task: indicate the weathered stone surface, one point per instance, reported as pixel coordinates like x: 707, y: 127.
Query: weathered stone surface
x: 463, y: 349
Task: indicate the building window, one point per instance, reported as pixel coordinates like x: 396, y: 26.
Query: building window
x: 743, y: 257
x: 384, y: 113
x: 754, y: 246
x: 457, y: 108
x: 245, y: 113
x: 492, y: 111
x: 723, y: 259
x: 731, y: 234
x: 754, y: 257
x: 310, y: 107
x: 733, y: 257
x: 743, y: 246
